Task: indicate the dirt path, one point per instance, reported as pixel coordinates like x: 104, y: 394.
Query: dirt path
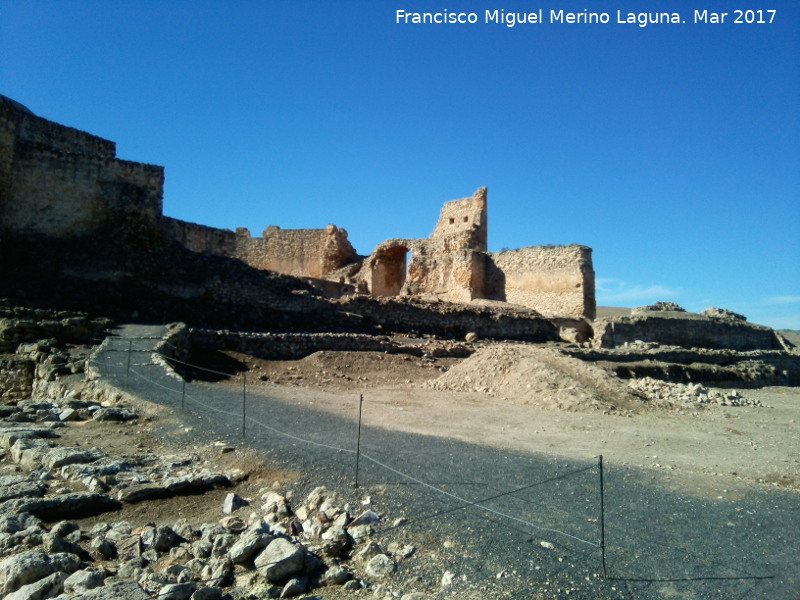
x: 745, y: 444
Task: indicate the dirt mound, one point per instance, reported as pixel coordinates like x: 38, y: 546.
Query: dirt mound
x: 539, y: 376
x: 343, y: 371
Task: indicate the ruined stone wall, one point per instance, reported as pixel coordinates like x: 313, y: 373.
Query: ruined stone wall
x: 293, y: 346
x: 453, y: 265
x: 199, y: 238
x: 313, y: 253
x: 451, y: 321
x: 37, y: 131
x: 556, y: 281
x: 449, y: 265
x: 53, y: 194
x: 463, y: 224
x: 61, y: 182
x: 457, y: 276
x: 16, y: 378
x: 298, y: 252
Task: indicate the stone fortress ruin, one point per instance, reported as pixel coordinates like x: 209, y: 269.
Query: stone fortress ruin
x: 81, y: 228
x: 59, y: 182
x: 298, y: 319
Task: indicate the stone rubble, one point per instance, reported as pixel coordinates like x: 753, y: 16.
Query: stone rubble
x: 658, y: 307
x: 688, y: 393
x: 283, y: 550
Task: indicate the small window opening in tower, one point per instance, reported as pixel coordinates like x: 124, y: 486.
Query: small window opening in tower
x: 452, y: 220
x: 466, y: 219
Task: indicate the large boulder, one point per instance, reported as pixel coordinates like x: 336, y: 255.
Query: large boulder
x: 280, y: 560
x: 33, y: 565
x: 50, y: 586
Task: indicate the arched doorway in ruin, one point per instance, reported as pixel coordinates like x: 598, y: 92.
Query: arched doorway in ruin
x: 389, y: 269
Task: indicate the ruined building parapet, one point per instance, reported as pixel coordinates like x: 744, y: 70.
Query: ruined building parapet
x: 463, y: 224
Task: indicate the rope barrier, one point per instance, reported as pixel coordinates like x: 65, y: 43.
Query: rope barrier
x: 464, y: 501
x: 492, y: 514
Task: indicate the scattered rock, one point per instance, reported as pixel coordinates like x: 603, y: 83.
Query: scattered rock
x: 31, y: 566
x: 121, y: 590
x: 48, y: 587
x: 177, y: 591
x: 448, y: 578
x: 82, y: 581
x: 368, y: 517
x: 233, y: 503
x: 380, y: 567
x: 294, y: 587
x: 659, y: 307
x: 280, y: 560
x: 723, y: 314
x: 207, y: 593
x: 248, y: 544
x: 114, y: 414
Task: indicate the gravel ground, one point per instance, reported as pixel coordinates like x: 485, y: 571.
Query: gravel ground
x: 499, y: 523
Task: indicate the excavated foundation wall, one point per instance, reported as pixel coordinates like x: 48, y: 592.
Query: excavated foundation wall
x: 687, y: 332
x: 282, y: 346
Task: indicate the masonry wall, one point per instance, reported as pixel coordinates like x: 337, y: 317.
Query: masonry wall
x: 298, y: 252
x: 35, y: 130
x: 456, y: 276
x: 463, y: 224
x: 687, y: 331
x: 450, y: 265
x: 556, y: 281
x: 311, y: 253
x: 61, y: 182
x: 200, y: 238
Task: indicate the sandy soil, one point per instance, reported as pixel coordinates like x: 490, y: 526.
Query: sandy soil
x: 560, y: 407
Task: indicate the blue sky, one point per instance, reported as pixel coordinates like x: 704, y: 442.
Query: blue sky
x: 673, y: 150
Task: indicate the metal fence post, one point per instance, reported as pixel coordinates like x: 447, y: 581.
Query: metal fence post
x: 602, y: 519
x: 128, y: 370
x: 183, y: 387
x: 358, y: 443
x: 244, y: 405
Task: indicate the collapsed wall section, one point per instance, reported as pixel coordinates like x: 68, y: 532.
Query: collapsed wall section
x: 200, y: 238
x: 299, y: 252
x: 557, y: 281
x: 450, y: 265
x: 457, y: 276
x: 312, y: 253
